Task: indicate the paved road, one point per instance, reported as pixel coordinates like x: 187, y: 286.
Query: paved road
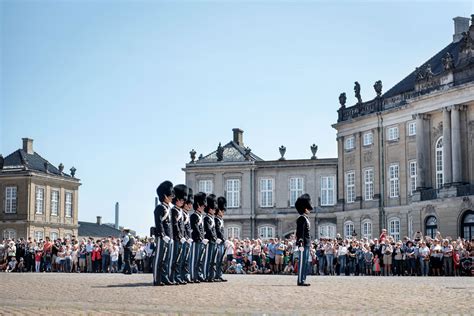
x: 116, y: 294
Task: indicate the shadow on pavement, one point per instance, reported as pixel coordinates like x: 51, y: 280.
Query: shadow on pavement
x: 125, y: 285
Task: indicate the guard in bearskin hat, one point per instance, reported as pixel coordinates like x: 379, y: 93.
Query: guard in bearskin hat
x: 303, y: 239
x: 180, y: 197
x: 220, y: 251
x: 197, y: 235
x: 210, y: 239
x: 162, y: 232
x: 183, y: 263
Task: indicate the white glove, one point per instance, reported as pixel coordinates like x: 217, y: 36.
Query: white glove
x: 219, y: 241
x: 205, y: 241
x: 183, y: 240
x: 190, y: 241
x: 301, y: 248
x: 166, y: 239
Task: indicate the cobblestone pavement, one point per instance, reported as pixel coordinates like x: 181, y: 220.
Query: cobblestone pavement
x: 116, y: 294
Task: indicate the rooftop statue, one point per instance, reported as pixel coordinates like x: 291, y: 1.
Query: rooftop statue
x: 357, y: 92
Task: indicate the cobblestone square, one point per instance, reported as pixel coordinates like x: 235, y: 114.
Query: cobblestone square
x: 116, y: 294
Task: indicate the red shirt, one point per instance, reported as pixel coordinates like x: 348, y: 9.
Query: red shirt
x: 38, y: 256
x: 96, y: 254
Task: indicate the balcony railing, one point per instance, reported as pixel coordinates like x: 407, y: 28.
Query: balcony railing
x: 428, y: 194
x: 465, y: 189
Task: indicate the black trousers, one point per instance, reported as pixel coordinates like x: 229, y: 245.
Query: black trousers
x: 126, y: 259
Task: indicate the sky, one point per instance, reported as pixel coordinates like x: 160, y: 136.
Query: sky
x: 123, y: 90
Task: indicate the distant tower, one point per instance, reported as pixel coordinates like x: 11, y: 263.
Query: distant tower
x: 117, y: 215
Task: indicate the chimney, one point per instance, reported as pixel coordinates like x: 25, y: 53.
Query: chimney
x: 117, y: 215
x: 238, y: 136
x: 28, y: 145
x: 99, y: 220
x: 461, y: 24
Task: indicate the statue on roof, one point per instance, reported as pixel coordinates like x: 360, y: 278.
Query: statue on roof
x: 378, y: 87
x: 220, y: 152
x: 247, y: 153
x: 448, y: 62
x: 357, y: 92
x: 428, y: 72
x: 342, y: 99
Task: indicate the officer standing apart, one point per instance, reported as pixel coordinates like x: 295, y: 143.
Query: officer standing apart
x: 162, y: 233
x: 197, y: 235
x: 303, y: 239
x: 210, y: 238
x: 127, y: 243
x: 219, y: 221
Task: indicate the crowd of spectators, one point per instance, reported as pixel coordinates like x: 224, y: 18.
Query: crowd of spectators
x: 383, y: 256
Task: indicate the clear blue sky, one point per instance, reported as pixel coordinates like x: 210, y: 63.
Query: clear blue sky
x: 123, y: 90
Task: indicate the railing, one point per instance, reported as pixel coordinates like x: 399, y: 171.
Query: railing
x: 428, y: 194
x: 465, y: 189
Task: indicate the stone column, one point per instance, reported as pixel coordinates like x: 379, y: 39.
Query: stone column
x: 420, y: 151
x: 447, y: 161
x: 456, y: 143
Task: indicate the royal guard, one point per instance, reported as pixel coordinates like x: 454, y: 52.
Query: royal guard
x: 219, y: 222
x: 197, y: 235
x: 210, y: 239
x: 303, y: 239
x: 180, y: 197
x: 184, y: 266
x: 162, y: 232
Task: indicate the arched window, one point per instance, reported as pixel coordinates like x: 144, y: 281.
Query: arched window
x: 367, y: 229
x: 54, y: 235
x: 327, y: 230
x: 467, y: 225
x: 266, y: 232
x: 39, y: 235
x: 233, y: 232
x: 431, y: 226
x: 394, y: 228
x: 9, y: 233
x: 348, y: 229
x: 439, y: 163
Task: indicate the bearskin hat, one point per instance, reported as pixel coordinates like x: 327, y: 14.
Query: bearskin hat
x: 190, y: 196
x: 180, y: 192
x: 199, y: 200
x: 303, y: 203
x: 164, y: 189
x: 211, y: 203
x: 221, y: 203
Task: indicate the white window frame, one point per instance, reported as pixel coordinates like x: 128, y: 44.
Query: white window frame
x: 205, y: 186
x: 11, y: 195
x: 394, y: 228
x: 233, y: 193
x: 9, y: 233
x: 327, y: 230
x: 266, y: 194
x: 349, y: 143
x: 394, y: 180
x: 266, y: 231
x: 369, y: 184
x: 55, y: 202
x: 39, y: 200
x: 366, y: 228
x: 412, y: 128
x: 393, y: 133
x: 328, y: 191
x: 412, y: 171
x: 39, y: 235
x: 368, y: 138
x: 350, y: 187
x: 296, y: 187
x: 348, y: 229
x: 233, y: 232
x: 439, y: 163
x: 68, y: 205
x: 54, y: 235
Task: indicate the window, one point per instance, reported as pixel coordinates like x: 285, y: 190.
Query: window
x: 467, y: 225
x: 439, y: 163
x: 54, y: 202
x: 368, y: 184
x: 348, y: 229
x: 394, y: 228
x: 68, y: 205
x: 328, y: 191
x: 233, y: 232
x: 412, y: 129
x: 392, y: 133
x: 431, y: 224
x: 39, y: 200
x: 296, y: 189
x: 39, y: 235
x: 327, y: 231
x: 233, y: 192
x: 412, y: 166
x: 266, y: 232
x: 68, y: 236
x: 205, y: 186
x: 54, y: 236
x: 10, y: 200
x: 368, y: 139
x: 394, y: 181
x: 367, y: 229
x: 266, y: 192
x: 9, y: 234
x: 350, y: 186
x: 350, y: 143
